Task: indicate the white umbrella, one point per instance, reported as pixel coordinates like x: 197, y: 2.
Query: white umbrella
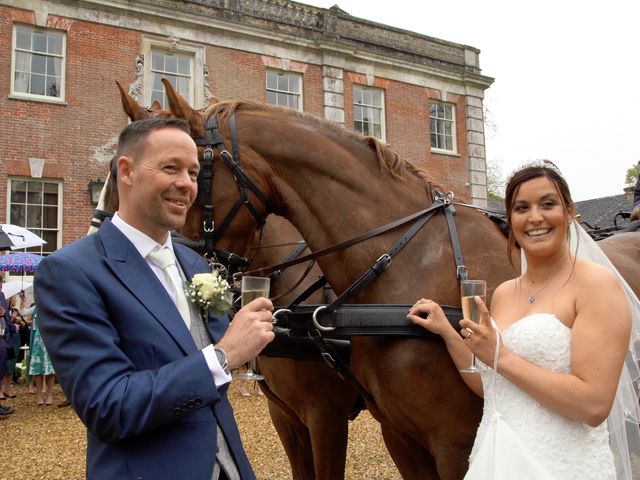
x: 14, y: 287
x: 15, y: 237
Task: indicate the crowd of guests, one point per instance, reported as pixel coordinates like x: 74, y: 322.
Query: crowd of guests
x: 23, y: 356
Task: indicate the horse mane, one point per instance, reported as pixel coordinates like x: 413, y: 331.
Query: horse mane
x: 388, y: 160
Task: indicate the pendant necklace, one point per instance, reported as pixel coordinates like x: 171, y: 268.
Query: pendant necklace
x: 532, y: 296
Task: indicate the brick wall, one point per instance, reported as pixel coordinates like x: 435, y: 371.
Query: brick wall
x: 68, y: 135
x: 407, y: 129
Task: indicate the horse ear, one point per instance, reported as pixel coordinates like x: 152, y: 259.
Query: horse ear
x: 181, y: 109
x: 131, y: 107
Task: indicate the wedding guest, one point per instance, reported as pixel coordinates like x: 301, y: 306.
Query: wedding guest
x: 144, y: 372
x: 13, y: 352
x: 28, y: 318
x: 24, y: 332
x: 13, y: 348
x: 6, y: 328
x: 555, y: 341
x: 40, y: 367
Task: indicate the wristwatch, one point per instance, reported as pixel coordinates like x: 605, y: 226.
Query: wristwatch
x: 221, y: 355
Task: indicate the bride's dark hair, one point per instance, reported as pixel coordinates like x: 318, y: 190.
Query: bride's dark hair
x: 539, y: 168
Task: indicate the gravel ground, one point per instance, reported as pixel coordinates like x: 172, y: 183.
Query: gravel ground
x: 49, y: 443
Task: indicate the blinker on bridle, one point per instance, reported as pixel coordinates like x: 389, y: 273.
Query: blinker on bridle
x: 213, y: 140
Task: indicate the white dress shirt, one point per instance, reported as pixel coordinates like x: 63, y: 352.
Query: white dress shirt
x: 144, y: 245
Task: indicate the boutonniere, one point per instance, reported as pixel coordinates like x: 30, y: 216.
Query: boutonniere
x: 210, y: 291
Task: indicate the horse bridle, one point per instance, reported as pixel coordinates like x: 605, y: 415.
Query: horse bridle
x: 213, y: 140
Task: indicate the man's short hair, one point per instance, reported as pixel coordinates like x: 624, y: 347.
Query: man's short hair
x: 131, y: 139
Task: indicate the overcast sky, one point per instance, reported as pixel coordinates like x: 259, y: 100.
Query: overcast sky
x: 567, y: 78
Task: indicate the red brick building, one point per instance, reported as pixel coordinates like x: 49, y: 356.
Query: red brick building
x: 61, y: 110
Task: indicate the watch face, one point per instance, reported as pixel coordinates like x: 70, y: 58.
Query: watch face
x: 222, y: 359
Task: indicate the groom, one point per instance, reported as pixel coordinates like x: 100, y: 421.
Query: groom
x: 144, y: 373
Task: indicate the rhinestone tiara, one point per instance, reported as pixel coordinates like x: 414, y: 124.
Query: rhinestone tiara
x: 546, y: 164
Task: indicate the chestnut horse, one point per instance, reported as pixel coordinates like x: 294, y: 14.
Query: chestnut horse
x: 333, y: 185
x: 623, y: 249
x: 309, y: 404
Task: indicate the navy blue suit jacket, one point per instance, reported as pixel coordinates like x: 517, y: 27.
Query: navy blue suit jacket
x: 127, y: 362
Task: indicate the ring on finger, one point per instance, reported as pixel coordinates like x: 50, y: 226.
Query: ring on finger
x: 469, y: 332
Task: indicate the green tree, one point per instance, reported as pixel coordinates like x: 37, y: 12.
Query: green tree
x: 632, y: 175
x: 495, y: 179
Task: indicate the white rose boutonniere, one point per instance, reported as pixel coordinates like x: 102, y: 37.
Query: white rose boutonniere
x: 210, y: 291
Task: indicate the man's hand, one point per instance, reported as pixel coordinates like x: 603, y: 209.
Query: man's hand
x: 248, y: 333
x: 635, y: 214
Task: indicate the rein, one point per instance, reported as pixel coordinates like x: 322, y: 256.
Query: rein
x: 332, y: 316
x: 275, y: 275
x: 417, y: 216
x: 350, y: 320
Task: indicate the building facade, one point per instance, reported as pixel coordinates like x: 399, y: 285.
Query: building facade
x: 61, y: 110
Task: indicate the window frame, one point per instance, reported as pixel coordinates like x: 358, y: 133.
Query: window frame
x: 290, y: 74
x: 42, y: 249
x: 190, y: 76
x: 150, y: 45
x: 381, y: 108
x: 63, y: 65
x: 442, y: 121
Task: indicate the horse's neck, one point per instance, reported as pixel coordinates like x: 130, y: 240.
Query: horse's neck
x: 331, y: 197
x: 333, y: 189
x: 334, y: 194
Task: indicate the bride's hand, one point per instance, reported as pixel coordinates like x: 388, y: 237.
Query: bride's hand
x: 429, y: 315
x: 480, y: 338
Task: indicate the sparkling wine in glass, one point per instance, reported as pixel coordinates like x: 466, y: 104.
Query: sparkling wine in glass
x: 250, y: 289
x: 469, y: 289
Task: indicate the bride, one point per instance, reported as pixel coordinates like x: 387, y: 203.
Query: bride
x: 556, y: 340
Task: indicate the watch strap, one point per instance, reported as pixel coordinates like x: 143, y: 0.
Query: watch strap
x: 221, y: 355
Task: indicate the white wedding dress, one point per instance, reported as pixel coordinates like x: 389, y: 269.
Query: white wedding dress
x: 520, y: 439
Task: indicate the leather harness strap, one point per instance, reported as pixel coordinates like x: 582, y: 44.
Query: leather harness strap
x: 383, y: 261
x: 297, y: 251
x: 461, y: 269
x: 352, y: 241
x: 334, y: 361
x: 361, y: 320
x: 319, y: 283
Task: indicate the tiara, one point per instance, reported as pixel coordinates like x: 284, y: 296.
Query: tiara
x: 544, y: 164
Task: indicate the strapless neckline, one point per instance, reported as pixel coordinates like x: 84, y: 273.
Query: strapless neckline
x: 542, y: 339
x: 528, y: 317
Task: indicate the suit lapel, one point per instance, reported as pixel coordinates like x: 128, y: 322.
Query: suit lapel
x: 132, y: 270
x: 190, y: 268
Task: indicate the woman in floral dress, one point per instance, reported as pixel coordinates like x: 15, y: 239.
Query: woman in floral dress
x: 40, y: 367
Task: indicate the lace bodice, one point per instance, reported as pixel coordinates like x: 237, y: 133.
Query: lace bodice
x: 567, y: 448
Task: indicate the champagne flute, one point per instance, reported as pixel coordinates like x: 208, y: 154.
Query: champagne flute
x: 469, y: 289
x: 250, y: 289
